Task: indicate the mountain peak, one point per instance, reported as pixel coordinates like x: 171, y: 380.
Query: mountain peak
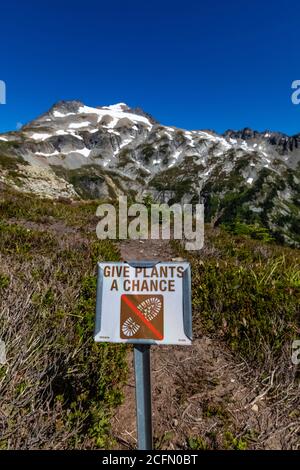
x: 67, y: 105
x: 247, y: 133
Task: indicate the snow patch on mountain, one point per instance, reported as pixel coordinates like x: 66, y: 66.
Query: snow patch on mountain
x: 47, y: 154
x: 58, y: 114
x: 115, y: 113
x: 40, y: 136
x: 79, y: 125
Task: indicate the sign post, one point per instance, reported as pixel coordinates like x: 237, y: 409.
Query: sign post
x: 143, y: 396
x: 144, y: 303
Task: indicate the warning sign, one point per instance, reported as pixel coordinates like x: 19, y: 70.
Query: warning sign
x: 144, y: 302
x: 142, y: 317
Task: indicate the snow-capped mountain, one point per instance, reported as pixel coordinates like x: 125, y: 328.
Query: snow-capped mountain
x: 75, y: 150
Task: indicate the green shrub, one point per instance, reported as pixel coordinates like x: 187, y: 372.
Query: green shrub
x: 197, y: 443
x: 18, y: 240
x: 4, y: 281
x: 248, y: 293
x: 252, y: 230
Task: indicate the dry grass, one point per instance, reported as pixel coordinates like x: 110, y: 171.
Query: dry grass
x: 57, y: 388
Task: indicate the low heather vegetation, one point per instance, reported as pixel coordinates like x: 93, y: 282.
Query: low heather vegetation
x: 58, y: 388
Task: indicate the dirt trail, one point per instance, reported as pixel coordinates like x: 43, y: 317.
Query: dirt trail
x: 199, y: 392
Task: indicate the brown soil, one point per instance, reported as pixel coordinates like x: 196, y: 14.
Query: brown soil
x: 202, y: 397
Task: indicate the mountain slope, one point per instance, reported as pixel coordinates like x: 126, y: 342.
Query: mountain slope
x: 75, y: 150
x: 59, y: 390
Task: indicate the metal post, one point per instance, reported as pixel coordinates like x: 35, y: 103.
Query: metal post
x: 143, y: 396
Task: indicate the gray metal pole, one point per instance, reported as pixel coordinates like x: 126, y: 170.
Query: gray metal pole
x: 143, y: 396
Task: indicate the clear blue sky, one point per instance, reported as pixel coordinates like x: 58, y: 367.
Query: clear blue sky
x: 194, y: 64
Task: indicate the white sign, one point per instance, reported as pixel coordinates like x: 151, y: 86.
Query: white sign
x: 144, y: 302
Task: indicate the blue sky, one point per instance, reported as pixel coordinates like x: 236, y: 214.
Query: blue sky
x: 193, y: 64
